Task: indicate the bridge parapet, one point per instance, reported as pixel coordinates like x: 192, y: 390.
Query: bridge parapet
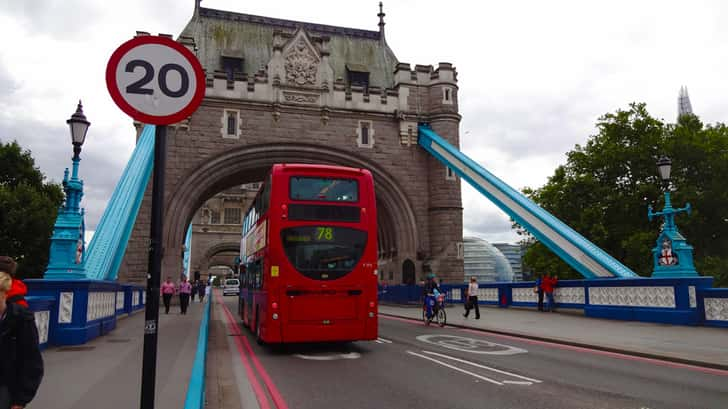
x: 683, y: 301
x: 73, y: 312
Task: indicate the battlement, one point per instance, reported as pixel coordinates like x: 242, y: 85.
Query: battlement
x: 425, y: 74
x: 259, y: 87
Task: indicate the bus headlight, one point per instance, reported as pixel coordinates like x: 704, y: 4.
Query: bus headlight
x: 371, y: 314
x: 275, y: 316
x: 376, y: 272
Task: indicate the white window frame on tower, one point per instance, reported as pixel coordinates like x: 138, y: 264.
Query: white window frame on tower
x: 447, y: 95
x: 370, y: 134
x: 224, y: 120
x: 450, y: 174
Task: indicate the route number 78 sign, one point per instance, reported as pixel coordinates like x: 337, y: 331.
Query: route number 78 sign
x: 155, y: 80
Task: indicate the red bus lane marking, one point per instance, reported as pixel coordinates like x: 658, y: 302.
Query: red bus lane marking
x: 235, y: 330
x: 654, y: 361
x: 269, y: 384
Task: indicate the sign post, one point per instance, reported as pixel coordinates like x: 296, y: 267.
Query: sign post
x: 157, y: 81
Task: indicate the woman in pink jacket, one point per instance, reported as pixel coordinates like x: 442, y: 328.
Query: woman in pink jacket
x: 168, y: 291
x: 185, y: 288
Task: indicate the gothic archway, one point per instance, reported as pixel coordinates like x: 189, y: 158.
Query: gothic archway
x: 250, y: 163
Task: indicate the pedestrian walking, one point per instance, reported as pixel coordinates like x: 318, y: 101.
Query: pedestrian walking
x: 21, y: 364
x: 201, y: 291
x: 549, y: 282
x: 538, y: 289
x: 194, y: 291
x: 18, y: 290
x: 168, y: 291
x: 185, y: 288
x: 472, y: 301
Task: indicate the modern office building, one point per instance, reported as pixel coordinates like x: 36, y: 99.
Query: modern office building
x: 514, y: 254
x: 485, y: 262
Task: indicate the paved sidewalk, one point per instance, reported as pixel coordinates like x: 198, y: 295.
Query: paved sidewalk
x: 696, y: 345
x: 106, y: 372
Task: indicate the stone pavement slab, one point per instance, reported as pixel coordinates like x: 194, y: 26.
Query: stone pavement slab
x: 106, y: 372
x: 703, y: 346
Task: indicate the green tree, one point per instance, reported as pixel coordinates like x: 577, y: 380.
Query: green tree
x: 28, y: 209
x: 604, y: 188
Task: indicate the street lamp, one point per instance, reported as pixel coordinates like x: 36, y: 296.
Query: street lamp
x: 66, y: 259
x: 79, y: 126
x: 664, y: 165
x: 672, y: 256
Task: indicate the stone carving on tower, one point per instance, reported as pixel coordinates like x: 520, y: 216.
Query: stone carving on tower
x: 301, y: 63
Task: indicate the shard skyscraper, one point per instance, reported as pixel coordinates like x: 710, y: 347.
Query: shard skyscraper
x: 683, y: 102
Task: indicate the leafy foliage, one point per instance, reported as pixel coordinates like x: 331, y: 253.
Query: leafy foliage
x: 28, y: 209
x: 604, y: 188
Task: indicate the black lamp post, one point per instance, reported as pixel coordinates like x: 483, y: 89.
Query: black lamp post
x: 664, y: 166
x: 79, y: 126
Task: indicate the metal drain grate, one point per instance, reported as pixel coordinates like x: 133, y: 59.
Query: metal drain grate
x: 76, y: 348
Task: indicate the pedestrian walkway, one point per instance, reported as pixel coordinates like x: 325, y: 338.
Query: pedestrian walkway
x: 697, y: 345
x: 106, y: 372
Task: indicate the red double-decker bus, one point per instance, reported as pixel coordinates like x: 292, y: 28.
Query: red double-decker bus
x: 309, y: 256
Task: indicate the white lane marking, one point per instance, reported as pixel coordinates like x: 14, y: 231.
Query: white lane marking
x: 383, y: 341
x: 329, y: 357
x: 378, y: 342
x: 485, y: 367
x: 471, y: 345
x: 518, y: 382
x: 456, y: 368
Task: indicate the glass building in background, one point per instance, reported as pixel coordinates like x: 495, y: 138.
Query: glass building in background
x: 514, y: 254
x: 485, y: 262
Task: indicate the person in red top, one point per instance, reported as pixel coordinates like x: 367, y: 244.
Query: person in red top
x: 18, y: 290
x: 548, y: 283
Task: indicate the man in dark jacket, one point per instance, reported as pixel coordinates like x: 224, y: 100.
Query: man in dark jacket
x: 21, y: 364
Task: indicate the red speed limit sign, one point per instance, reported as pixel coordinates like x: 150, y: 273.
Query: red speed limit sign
x: 155, y: 80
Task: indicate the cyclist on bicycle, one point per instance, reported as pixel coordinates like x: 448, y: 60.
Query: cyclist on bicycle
x: 431, y: 291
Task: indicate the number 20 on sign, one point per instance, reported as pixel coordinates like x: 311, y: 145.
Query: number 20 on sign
x: 155, y: 80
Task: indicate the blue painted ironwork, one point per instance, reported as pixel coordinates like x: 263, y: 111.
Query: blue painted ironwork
x: 108, y: 245
x: 67, y: 243
x: 195, y: 398
x: 188, y: 251
x: 672, y: 255
x: 581, y: 254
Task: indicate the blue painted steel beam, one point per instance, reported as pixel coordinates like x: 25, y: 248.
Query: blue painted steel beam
x: 108, y: 245
x: 195, y: 398
x: 581, y: 254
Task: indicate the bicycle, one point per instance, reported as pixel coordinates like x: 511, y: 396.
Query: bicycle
x: 436, y: 310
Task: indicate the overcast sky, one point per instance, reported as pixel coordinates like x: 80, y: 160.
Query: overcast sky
x: 534, y: 76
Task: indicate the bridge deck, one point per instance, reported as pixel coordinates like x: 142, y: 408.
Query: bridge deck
x: 106, y: 372
x: 698, y: 345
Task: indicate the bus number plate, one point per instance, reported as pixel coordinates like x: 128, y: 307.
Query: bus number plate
x: 326, y: 322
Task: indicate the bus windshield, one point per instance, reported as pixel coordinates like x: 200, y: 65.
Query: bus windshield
x: 324, y: 189
x: 323, y: 252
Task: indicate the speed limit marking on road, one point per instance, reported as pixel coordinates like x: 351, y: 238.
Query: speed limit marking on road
x: 155, y: 80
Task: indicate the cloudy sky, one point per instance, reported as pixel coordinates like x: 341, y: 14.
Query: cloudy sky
x: 534, y: 76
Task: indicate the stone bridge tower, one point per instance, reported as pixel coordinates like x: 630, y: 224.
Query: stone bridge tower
x: 289, y: 91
